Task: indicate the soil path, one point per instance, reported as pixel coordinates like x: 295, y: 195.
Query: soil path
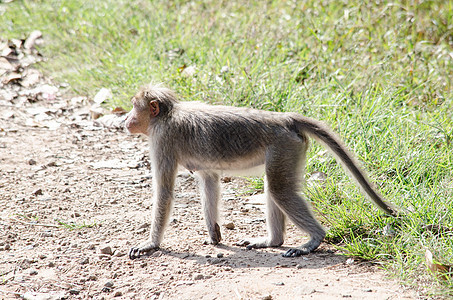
x: 75, y: 196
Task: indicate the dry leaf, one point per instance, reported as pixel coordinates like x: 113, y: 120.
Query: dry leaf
x: 31, y: 78
x: 119, y: 111
x: 440, y: 270
x: 111, y: 121
x: 189, y: 71
x: 102, y: 95
x: 5, y: 65
x: 30, y: 41
x: 96, y: 111
x: 11, y: 77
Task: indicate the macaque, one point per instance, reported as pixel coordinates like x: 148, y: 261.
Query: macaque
x: 209, y: 139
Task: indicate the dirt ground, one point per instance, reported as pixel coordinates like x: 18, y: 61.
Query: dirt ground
x: 75, y: 196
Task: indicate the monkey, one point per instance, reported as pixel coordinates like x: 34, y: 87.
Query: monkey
x: 209, y: 139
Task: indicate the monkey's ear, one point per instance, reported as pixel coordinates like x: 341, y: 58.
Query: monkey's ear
x: 154, y: 108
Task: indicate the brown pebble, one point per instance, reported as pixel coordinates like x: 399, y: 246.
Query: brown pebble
x: 31, y: 162
x: 106, y: 250
x: 229, y: 226
x: 118, y: 294
x: 38, y: 192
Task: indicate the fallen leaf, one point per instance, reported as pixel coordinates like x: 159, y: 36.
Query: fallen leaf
x: 102, y: 95
x: 5, y: 65
x: 31, y: 40
x: 12, y: 77
x: 39, y: 110
x: 440, y: 270
x: 189, y: 71
x: 317, y: 178
x: 119, y: 111
x: 45, y: 91
x: 96, y: 111
x: 6, y: 51
x: 112, y: 121
x: 31, y: 77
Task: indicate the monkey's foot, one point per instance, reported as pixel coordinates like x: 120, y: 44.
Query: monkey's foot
x: 303, y: 250
x: 295, y: 252
x: 211, y: 241
x: 144, y: 248
x: 214, y: 235
x: 258, y: 243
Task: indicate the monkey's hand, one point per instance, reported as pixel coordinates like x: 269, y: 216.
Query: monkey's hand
x: 259, y: 243
x: 142, y: 249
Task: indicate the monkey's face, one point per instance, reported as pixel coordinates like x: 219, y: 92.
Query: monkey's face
x: 138, y: 119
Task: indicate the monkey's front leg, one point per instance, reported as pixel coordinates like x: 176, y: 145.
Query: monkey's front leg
x: 163, y: 186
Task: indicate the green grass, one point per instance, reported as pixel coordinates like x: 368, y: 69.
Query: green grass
x: 75, y: 226
x: 379, y: 72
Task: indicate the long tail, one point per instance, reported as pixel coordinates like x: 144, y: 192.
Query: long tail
x: 320, y: 132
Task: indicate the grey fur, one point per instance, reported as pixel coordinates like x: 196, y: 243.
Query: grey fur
x: 209, y: 139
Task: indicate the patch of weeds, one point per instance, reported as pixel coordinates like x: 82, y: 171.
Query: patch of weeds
x: 75, y: 226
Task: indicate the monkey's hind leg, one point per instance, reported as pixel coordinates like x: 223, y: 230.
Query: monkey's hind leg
x: 210, y: 195
x: 284, y: 170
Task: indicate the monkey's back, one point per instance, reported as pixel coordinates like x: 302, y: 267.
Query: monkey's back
x: 228, y: 137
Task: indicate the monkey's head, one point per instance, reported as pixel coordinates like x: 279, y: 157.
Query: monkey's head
x: 151, y: 103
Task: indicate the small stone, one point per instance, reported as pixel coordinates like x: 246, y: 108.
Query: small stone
x: 268, y: 297
x: 118, y: 253
x: 92, y: 278
x: 76, y: 215
x: 109, y: 284
x: 84, y: 261
x: 158, y: 253
x: 74, y: 291
x: 106, y: 250
x: 299, y: 266
x: 7, y: 246
x: 229, y: 226
x: 144, y: 225
x: 31, y: 162
x: 215, y: 261
x: 219, y: 255
x: 42, y: 256
x: 118, y: 294
x: 198, y: 277
x: 51, y: 264
x: 33, y: 272
x: 52, y: 164
x: 141, y: 230
x: 38, y: 192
